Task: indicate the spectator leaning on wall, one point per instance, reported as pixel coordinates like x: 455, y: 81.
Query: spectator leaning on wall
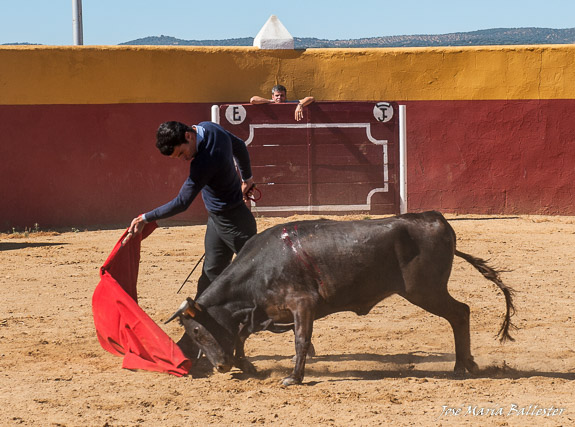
x: 279, y: 95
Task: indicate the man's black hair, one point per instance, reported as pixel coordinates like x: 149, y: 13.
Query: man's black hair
x: 170, y: 135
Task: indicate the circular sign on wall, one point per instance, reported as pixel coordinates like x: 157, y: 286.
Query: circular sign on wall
x: 235, y: 114
x: 383, y: 112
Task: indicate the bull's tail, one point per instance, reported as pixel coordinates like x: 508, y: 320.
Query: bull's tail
x: 493, y: 275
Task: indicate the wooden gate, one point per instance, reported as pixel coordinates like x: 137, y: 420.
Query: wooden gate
x: 341, y: 158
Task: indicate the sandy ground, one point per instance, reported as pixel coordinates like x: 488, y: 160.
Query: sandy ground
x: 393, y: 366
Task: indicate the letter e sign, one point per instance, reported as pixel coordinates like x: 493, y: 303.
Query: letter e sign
x: 383, y: 112
x: 235, y: 114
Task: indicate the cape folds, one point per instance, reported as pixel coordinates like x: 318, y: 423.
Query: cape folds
x: 123, y: 328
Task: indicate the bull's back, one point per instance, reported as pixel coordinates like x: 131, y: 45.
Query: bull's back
x: 352, y: 265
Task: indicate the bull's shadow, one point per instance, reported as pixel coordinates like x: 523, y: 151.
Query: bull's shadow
x: 483, y: 219
x: 409, y: 358
x: 406, y: 363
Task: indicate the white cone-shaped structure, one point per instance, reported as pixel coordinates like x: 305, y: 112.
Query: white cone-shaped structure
x: 274, y: 35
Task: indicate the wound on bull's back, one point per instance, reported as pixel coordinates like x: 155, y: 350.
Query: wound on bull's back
x: 294, y: 243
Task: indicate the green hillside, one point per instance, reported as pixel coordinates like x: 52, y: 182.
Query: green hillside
x: 496, y: 36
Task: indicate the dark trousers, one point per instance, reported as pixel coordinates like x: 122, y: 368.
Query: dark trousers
x: 226, y: 233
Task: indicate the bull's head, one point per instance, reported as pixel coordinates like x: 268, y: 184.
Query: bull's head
x: 210, y: 336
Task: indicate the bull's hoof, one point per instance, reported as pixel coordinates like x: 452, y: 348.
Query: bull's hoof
x: 286, y: 382
x: 472, y: 367
x: 245, y: 366
x: 461, y: 368
x: 459, y: 372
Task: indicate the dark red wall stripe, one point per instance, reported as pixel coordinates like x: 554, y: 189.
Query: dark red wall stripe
x: 94, y: 165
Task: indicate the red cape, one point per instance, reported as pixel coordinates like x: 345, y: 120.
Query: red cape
x: 123, y: 328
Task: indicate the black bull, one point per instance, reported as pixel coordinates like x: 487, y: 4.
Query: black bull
x: 291, y: 274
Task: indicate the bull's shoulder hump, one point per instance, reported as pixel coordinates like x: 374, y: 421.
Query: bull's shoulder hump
x: 299, y: 226
x: 427, y: 216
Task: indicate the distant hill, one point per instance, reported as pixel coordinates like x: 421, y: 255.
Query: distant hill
x: 495, y: 36
x: 20, y: 44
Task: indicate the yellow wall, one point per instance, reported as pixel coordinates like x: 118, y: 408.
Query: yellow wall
x: 127, y: 74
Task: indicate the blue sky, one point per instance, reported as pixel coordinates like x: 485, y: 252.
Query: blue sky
x: 111, y: 22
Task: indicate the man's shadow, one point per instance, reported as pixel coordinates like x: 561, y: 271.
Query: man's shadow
x: 11, y: 246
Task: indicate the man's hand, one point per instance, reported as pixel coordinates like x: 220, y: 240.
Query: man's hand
x: 299, y: 112
x: 302, y: 103
x: 136, y: 227
x: 247, y: 188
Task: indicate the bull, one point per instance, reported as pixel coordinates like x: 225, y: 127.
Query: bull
x: 291, y: 274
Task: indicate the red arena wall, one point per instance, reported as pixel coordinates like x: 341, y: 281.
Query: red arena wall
x: 88, y: 165
x: 492, y: 157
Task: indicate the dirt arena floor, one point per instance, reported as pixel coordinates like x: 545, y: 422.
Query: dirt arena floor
x: 391, y: 367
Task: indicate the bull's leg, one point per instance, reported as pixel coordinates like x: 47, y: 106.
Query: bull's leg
x: 303, y: 328
x: 457, y: 314
x: 240, y: 360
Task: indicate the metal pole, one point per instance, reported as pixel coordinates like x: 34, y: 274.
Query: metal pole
x: 77, y: 22
x: 189, y: 275
x: 402, y: 161
x: 216, y: 114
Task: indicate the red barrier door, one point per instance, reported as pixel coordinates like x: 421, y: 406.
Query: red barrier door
x: 341, y: 158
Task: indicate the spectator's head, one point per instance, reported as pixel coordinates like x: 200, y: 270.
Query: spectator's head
x: 279, y: 93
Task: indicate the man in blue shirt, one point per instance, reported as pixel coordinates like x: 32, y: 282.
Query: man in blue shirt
x: 211, y: 151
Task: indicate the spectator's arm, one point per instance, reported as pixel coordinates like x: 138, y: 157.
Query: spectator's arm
x: 302, y: 103
x: 259, y: 100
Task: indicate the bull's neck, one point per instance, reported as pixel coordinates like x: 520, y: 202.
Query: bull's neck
x: 227, y: 291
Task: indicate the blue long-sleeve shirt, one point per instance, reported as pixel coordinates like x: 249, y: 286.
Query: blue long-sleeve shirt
x: 213, y: 172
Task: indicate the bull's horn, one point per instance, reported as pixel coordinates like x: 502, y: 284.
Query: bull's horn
x: 183, y: 307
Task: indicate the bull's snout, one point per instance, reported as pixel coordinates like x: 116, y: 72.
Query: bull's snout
x: 222, y: 369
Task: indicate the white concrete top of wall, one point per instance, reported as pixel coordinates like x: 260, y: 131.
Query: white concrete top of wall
x: 274, y: 35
